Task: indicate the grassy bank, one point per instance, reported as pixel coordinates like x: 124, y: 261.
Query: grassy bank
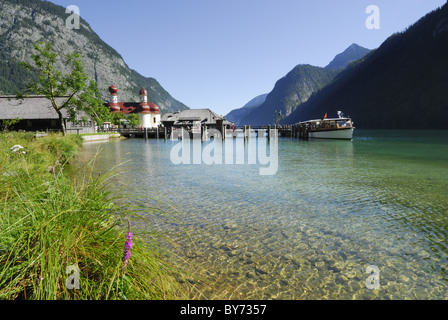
x: 51, y: 223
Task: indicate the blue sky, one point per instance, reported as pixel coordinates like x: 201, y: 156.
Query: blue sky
x: 220, y: 54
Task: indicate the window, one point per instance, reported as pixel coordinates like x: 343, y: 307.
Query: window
x: 344, y: 124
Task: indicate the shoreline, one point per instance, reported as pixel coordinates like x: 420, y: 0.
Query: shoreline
x: 100, y: 137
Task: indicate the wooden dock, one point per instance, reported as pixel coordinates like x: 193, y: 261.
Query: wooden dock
x: 293, y: 131
x: 154, y: 133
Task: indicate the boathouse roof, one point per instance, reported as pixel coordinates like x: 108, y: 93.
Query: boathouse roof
x: 31, y: 107
x: 205, y: 116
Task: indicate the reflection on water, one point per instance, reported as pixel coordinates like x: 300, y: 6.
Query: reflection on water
x: 310, y: 231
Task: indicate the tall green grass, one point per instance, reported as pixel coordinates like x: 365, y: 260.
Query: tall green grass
x: 50, y: 221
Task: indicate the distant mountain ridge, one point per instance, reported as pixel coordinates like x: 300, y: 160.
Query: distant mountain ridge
x: 401, y: 85
x: 25, y: 22
x: 289, y: 92
x: 294, y: 89
x: 237, y: 115
x: 352, y: 53
x: 258, y: 100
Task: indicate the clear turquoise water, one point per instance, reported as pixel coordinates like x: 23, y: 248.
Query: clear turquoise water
x: 311, y: 230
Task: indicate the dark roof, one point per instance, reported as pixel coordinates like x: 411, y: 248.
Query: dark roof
x: 204, y: 115
x: 32, y: 107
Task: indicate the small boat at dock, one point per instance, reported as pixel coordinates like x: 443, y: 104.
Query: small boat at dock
x: 329, y: 128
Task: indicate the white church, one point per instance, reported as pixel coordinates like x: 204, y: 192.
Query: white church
x: 149, y: 112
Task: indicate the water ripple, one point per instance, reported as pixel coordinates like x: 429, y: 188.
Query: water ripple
x: 309, y: 232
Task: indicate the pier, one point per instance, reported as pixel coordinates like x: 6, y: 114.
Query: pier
x: 175, y: 133
x: 147, y: 133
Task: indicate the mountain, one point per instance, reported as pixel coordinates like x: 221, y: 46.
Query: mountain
x: 257, y: 101
x: 401, y: 85
x: 237, y: 114
x: 25, y: 22
x: 289, y: 92
x: 295, y: 88
x: 352, y: 53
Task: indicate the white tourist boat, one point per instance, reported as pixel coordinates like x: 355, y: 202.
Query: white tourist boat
x: 330, y: 128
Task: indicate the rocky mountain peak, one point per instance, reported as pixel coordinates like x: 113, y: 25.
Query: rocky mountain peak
x: 352, y: 53
x: 25, y: 22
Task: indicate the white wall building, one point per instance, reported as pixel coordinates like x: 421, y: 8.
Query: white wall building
x: 148, y: 112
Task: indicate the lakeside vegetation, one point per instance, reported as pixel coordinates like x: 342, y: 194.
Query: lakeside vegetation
x: 51, y: 221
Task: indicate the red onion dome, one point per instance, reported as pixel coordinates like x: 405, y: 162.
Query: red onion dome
x: 154, y: 108
x: 113, y: 89
x: 115, y: 108
x: 145, y: 107
x: 143, y: 92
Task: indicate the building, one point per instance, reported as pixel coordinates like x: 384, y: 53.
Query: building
x: 149, y: 112
x: 193, y: 117
x: 35, y: 113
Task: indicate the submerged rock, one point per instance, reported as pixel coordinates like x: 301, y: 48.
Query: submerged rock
x: 230, y: 226
x: 260, y: 271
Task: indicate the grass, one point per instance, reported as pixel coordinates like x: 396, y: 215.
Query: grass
x: 51, y: 222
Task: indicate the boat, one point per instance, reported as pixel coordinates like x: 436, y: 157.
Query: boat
x: 330, y: 128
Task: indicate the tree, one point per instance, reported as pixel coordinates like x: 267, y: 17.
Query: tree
x: 7, y: 123
x: 134, y: 119
x: 79, y: 93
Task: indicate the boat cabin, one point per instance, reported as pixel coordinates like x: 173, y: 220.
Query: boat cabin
x: 330, y: 124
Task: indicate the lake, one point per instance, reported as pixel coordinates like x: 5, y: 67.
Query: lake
x: 361, y: 219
